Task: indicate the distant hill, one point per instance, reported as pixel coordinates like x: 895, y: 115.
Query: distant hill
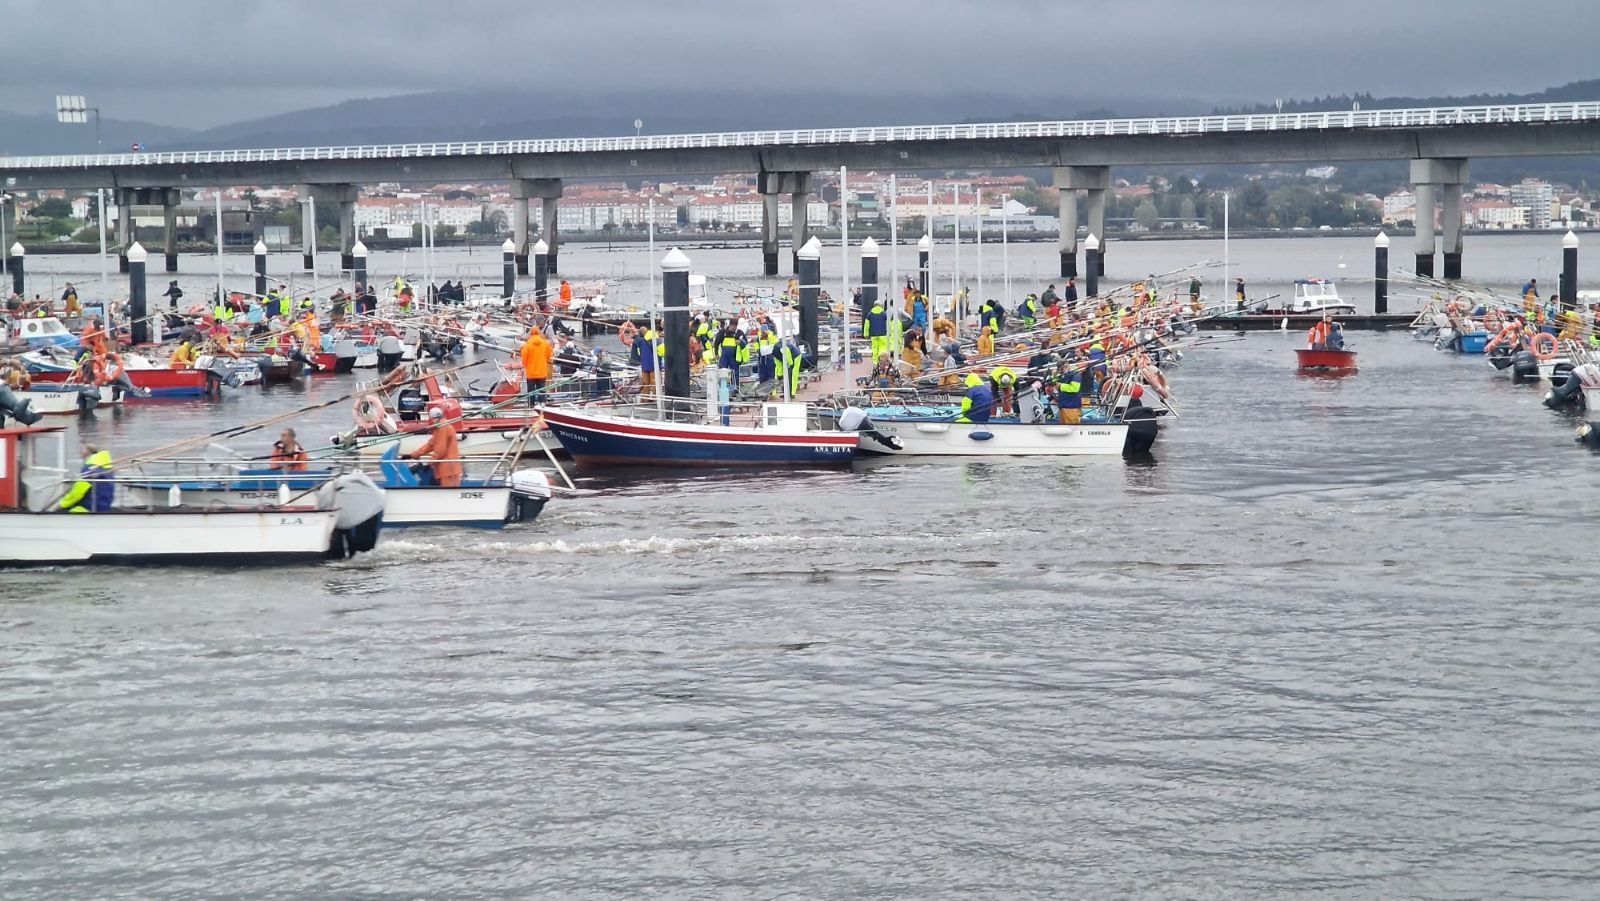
x: 22, y: 135
x: 1577, y: 90
x: 497, y: 115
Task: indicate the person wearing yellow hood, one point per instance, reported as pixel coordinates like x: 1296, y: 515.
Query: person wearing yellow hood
x: 986, y: 342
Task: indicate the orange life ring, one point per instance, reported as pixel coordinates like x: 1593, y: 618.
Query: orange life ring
x: 1543, y: 338
x: 371, y: 417
x: 1509, y: 332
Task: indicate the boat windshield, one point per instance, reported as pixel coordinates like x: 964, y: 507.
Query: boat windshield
x: 1316, y: 290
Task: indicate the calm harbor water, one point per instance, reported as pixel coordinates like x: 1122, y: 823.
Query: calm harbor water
x: 1336, y: 641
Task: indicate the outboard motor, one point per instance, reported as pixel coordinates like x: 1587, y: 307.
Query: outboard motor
x: 88, y: 398
x: 18, y: 408
x: 1142, y: 429
x: 344, y: 355
x: 410, y: 404
x: 530, y: 491
x: 1524, y: 365
x: 1564, y: 391
x: 855, y: 419
x: 360, y: 518
x: 390, y: 353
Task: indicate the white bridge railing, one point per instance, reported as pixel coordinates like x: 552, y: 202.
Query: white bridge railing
x: 1431, y: 117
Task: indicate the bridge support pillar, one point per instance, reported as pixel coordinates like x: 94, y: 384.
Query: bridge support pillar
x: 1069, y: 180
x: 308, y: 232
x: 1424, y: 222
x: 169, y: 228
x: 798, y: 202
x: 1450, y: 223
x: 347, y: 235
x: 124, y: 202
x: 1429, y: 177
x: 547, y: 191
x: 345, y: 197
x: 547, y: 231
x: 1097, y: 227
x: 769, y: 234
x: 798, y: 186
x: 1069, y: 233
x: 519, y: 231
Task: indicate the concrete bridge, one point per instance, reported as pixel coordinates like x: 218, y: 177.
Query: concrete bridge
x: 1437, y: 141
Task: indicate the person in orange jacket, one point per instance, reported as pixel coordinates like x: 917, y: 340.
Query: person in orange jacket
x: 536, y: 353
x: 1317, y: 337
x: 93, y: 338
x: 444, y: 446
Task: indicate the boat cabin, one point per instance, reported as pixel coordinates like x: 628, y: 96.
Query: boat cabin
x: 46, y: 332
x: 34, y: 467
x: 1315, y: 295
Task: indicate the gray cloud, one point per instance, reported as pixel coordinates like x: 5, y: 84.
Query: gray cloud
x: 205, y: 62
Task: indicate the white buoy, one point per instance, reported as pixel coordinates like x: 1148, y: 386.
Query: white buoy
x: 283, y: 493
x: 174, y: 496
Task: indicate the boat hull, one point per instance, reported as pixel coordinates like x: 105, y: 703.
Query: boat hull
x: 1325, y: 360
x: 604, y: 440
x: 995, y: 439
x: 60, y: 399
x: 166, y: 536
x: 480, y: 507
x: 160, y: 382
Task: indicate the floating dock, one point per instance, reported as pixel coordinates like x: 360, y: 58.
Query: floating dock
x: 1380, y: 322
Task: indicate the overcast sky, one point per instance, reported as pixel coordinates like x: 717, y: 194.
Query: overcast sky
x: 200, y: 63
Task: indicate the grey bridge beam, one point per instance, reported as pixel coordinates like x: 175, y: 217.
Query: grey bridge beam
x: 1308, y: 145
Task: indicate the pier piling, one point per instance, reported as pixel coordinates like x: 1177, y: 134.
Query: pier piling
x: 1569, y: 271
x: 18, y: 280
x: 358, y: 262
x: 260, y: 251
x: 508, y: 269
x: 675, y: 323
x: 1380, y: 274
x: 810, y: 275
x: 137, y: 312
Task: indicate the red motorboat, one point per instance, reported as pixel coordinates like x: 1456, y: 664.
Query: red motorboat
x: 1325, y: 360
x: 160, y: 382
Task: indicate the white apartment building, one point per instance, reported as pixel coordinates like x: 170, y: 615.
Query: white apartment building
x: 1536, y: 197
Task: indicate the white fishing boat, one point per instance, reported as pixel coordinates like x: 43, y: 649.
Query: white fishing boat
x: 938, y: 435
x: 62, y: 399
x: 35, y: 475
x: 1318, y: 296
x: 488, y: 503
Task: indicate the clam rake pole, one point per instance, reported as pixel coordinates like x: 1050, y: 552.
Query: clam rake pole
x: 246, y: 428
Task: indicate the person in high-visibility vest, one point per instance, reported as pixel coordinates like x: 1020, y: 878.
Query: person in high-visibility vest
x: 875, y: 328
x: 790, y: 359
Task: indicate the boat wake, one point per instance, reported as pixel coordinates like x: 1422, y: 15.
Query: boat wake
x: 411, y: 550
